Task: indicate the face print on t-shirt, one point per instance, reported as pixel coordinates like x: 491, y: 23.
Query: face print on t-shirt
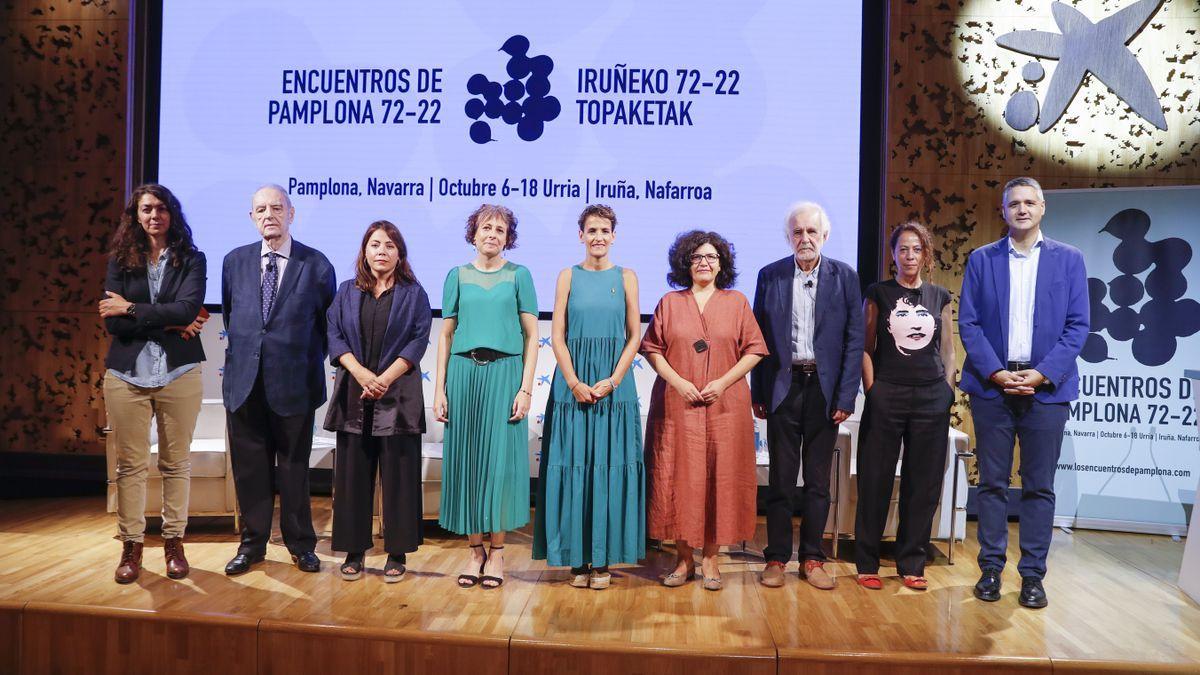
x: 911, y: 325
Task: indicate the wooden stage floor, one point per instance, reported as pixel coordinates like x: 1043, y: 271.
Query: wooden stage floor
x: 1113, y: 608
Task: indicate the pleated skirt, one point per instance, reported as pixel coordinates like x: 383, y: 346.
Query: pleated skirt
x: 591, y: 489
x: 485, y: 457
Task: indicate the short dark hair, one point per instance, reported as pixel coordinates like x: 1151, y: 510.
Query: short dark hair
x: 600, y: 211
x: 922, y: 235
x: 364, y: 278
x: 680, y: 258
x: 912, y: 299
x: 1022, y: 181
x: 488, y: 211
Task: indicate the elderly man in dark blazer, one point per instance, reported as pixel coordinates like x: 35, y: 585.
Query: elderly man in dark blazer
x: 809, y: 307
x: 274, y: 296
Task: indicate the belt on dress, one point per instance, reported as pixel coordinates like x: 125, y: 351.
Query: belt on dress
x: 483, y: 356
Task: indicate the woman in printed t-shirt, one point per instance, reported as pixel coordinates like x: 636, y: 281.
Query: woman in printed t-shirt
x: 908, y: 373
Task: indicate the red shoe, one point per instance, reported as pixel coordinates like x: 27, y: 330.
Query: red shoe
x: 870, y: 581
x: 916, y: 583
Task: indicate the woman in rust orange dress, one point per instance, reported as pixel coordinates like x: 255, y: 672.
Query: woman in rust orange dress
x: 702, y: 342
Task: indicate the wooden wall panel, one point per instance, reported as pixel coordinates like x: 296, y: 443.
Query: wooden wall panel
x: 10, y: 636
x: 62, y: 137
x: 550, y: 658
x: 108, y: 640
x: 286, y: 648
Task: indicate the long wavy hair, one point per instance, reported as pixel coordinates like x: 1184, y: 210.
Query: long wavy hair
x: 131, y: 246
x: 364, y: 278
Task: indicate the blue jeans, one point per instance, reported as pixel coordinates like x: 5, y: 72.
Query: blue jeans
x: 1039, y: 426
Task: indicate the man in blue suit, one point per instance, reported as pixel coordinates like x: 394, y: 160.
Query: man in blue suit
x: 809, y: 308
x: 1023, y: 319
x: 274, y: 294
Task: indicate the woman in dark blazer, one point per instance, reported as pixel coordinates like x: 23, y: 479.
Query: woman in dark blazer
x: 153, y: 309
x: 378, y: 332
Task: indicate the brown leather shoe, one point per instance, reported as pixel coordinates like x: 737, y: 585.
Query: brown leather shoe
x: 177, y: 564
x: 131, y: 563
x: 814, y: 571
x: 772, y: 574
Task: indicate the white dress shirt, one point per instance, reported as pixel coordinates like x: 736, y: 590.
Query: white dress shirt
x: 1022, y: 286
x: 804, y: 313
x: 284, y: 253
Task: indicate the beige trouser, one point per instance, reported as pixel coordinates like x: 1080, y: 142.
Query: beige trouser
x: 130, y: 409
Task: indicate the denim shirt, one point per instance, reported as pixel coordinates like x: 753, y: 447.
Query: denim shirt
x: 150, y: 368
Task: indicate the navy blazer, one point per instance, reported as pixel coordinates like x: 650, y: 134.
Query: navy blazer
x: 402, y: 408
x: 1060, y: 319
x: 180, y: 297
x: 289, y: 348
x: 837, y: 337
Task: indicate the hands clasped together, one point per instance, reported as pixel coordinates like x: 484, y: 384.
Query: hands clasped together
x: 1020, y: 383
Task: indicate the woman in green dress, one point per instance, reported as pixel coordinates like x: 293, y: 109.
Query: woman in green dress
x: 487, y: 351
x: 591, y: 487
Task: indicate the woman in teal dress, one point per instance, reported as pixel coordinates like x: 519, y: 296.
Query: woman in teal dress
x: 591, y: 487
x: 487, y: 351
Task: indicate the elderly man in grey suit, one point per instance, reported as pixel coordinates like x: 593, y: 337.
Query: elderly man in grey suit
x: 809, y: 308
x: 274, y: 294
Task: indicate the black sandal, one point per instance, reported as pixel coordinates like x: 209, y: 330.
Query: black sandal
x: 393, y: 564
x: 487, y: 580
x: 352, y: 568
x: 469, y: 580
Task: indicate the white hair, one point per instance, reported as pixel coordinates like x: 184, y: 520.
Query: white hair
x: 801, y: 208
x: 287, y: 201
x: 1023, y: 181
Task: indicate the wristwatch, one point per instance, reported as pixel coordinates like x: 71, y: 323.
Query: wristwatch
x: 131, y: 311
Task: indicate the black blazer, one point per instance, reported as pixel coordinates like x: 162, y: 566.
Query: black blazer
x: 180, y: 298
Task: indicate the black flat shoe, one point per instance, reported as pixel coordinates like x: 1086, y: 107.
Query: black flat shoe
x: 988, y: 588
x: 352, y: 568
x: 1032, y: 595
x: 241, y: 563
x: 307, y: 562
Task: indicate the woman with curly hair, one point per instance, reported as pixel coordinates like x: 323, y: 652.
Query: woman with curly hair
x: 487, y: 352
x: 153, y: 308
x: 702, y: 342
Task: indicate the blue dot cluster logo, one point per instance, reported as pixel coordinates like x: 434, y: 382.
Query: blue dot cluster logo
x: 523, y: 101
x: 1157, y: 325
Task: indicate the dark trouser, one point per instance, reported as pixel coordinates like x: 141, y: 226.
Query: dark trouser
x: 1039, y: 427
x: 920, y: 417
x: 268, y: 449
x: 398, y: 459
x: 799, y: 429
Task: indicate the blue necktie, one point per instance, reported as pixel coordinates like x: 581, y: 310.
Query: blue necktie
x: 269, y: 281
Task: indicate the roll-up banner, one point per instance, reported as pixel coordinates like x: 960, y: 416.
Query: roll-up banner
x: 1131, y: 454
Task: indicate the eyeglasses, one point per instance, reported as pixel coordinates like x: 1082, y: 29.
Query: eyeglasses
x: 710, y: 258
